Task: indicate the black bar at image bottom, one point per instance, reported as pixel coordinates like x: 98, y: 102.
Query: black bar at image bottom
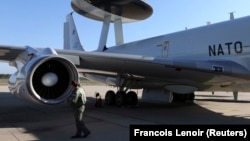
x: 194, y: 132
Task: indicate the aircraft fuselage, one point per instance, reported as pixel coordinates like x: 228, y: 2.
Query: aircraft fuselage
x: 225, y: 41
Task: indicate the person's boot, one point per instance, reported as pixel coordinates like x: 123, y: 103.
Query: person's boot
x: 76, y: 136
x: 86, y: 135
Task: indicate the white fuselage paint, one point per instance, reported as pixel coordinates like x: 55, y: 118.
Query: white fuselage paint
x: 228, y: 41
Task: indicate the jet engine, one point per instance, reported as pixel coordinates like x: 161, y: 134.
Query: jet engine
x: 45, y: 78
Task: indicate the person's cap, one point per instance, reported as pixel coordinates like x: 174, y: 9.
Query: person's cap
x: 97, y: 94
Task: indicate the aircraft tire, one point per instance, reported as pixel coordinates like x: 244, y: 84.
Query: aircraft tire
x: 132, y: 98
x: 120, y: 98
x: 110, y: 98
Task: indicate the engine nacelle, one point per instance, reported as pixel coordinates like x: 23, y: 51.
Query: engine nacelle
x: 44, y: 79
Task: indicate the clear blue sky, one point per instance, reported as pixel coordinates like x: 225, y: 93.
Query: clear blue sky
x: 40, y: 23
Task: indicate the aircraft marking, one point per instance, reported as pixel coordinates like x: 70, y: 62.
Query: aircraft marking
x: 226, y: 48
x: 218, y: 68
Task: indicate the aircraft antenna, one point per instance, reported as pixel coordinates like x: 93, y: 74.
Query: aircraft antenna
x: 112, y: 11
x: 232, y: 15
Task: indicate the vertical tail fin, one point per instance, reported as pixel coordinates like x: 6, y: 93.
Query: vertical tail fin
x: 71, y: 38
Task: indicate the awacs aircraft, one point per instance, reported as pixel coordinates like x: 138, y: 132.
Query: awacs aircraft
x: 169, y: 67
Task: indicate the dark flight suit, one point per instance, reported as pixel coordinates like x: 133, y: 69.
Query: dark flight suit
x: 78, y: 104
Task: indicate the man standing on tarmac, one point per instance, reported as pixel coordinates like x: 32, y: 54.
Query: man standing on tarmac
x: 78, y: 101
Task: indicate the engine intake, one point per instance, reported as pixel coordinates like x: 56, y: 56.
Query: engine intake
x: 44, y: 79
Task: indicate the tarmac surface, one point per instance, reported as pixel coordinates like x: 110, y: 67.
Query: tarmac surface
x: 24, y: 121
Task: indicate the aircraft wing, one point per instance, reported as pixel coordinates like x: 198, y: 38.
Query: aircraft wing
x: 9, y: 53
x: 137, y: 65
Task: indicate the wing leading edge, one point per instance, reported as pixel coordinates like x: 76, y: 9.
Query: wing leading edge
x: 9, y: 53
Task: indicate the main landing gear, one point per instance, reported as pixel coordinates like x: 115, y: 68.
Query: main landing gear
x: 121, y: 98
